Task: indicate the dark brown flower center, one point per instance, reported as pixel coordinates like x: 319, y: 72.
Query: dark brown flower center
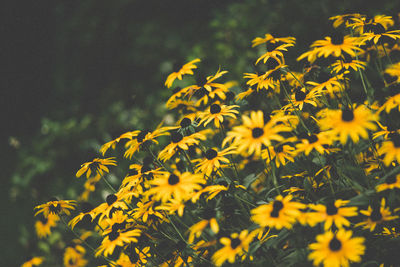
x: 391, y: 179
x: 347, y: 115
x: 176, y: 137
x: 312, y: 138
x: 185, y: 122
x: 140, y: 137
x: 110, y: 199
x: 337, y: 38
x: 300, y: 95
x: 335, y: 244
x: 173, y: 179
x: 235, y: 242
x: 279, y: 149
x: 395, y: 137
x: 55, y: 208
x: 113, y: 235
x: 331, y: 209
x: 211, y: 153
x: 376, y: 215
x: 276, y: 207
x: 257, y: 132
x: 215, y: 108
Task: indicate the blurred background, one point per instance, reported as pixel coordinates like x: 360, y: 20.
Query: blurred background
x: 77, y: 74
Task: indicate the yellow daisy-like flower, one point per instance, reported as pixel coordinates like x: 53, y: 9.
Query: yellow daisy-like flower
x: 175, y: 185
x: 244, y: 94
x: 336, y: 249
x: 195, y: 230
x: 278, y: 214
x: 212, y: 191
x: 213, y: 159
x: 346, y: 63
x: 234, y: 246
x: 113, y: 201
x: 333, y: 213
x: 74, y: 256
x: 34, y: 261
x: 173, y: 206
x: 327, y: 83
x: 348, y: 123
x: 335, y: 45
x: 112, y: 144
x: 186, y: 69
x: 253, y: 134
x: 281, y: 153
x: 300, y: 97
x: 262, y: 81
x: 268, y: 38
x: 117, y: 239
x: 216, y: 113
x: 376, y: 216
x: 96, y: 166
x: 363, y: 24
x: 44, y: 225
x: 390, y: 149
x: 391, y: 103
x: 318, y: 142
x: 55, y: 206
x: 344, y: 19
x: 378, y: 34
x: 145, y: 208
x: 137, y: 258
x: 207, y: 86
x: 391, y: 182
x: 178, y: 141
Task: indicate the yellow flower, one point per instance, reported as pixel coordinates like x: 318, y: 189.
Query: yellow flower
x: 217, y: 112
x: 186, y: 69
x: 55, y: 206
x: 175, y: 185
x: 113, y: 143
x: 234, y: 246
x: 333, y: 213
x: 345, y: 63
x: 34, y: 261
x: 390, y: 149
x: 96, y: 166
x: 213, y: 159
x: 345, y: 123
x: 73, y: 256
x: 209, y: 215
x: 43, y: 226
x: 278, y: 214
x: 137, y: 258
x: 145, y: 208
x: 253, y: 134
x: 178, y: 141
x: 346, y: 18
x: 262, y: 81
x: 391, y: 182
x: 376, y: 216
x: 336, y: 249
x: 113, y: 201
x: 117, y: 239
x: 318, y: 142
x: 391, y: 103
x: 282, y: 153
x: 301, y: 97
x: 268, y: 38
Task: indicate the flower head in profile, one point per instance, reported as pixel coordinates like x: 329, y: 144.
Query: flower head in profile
x: 175, y: 185
x: 235, y: 245
x: 390, y: 149
x: 55, y: 206
x: 209, y: 218
x: 117, y: 239
x: 96, y: 166
x: 278, y: 214
x: 185, y: 69
x: 376, y: 215
x: 391, y: 182
x: 44, y: 224
x: 336, y: 249
x: 32, y: 262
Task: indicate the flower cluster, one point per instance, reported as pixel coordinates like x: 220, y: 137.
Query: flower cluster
x: 302, y: 167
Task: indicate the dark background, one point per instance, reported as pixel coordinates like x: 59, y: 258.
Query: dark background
x: 77, y: 73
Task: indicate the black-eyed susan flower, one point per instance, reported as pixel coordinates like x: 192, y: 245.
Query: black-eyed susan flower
x: 336, y: 249
x: 244, y: 94
x: 346, y: 63
x: 135, y: 257
x: 113, y: 202
x: 278, y: 214
x: 96, y: 166
x: 379, y: 33
x: 318, y: 142
x: 281, y: 154
x: 117, y: 239
x: 178, y: 141
x: 185, y: 69
x: 254, y: 133
x: 146, y: 208
x: 391, y: 103
x: 207, y: 85
x: 236, y: 245
x: 363, y: 24
x: 376, y: 215
x: 391, y: 182
x: 213, y: 159
x: 55, y: 206
x: 211, y: 190
x: 390, y: 149
x: 175, y: 185
x: 209, y: 219
x: 352, y: 123
x: 327, y: 83
x: 173, y: 206
x: 44, y: 224
x: 334, y: 212
x: 113, y: 143
x: 262, y: 81
x: 300, y: 97
x: 344, y: 19
x: 32, y: 262
x: 216, y: 113
x: 74, y: 256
